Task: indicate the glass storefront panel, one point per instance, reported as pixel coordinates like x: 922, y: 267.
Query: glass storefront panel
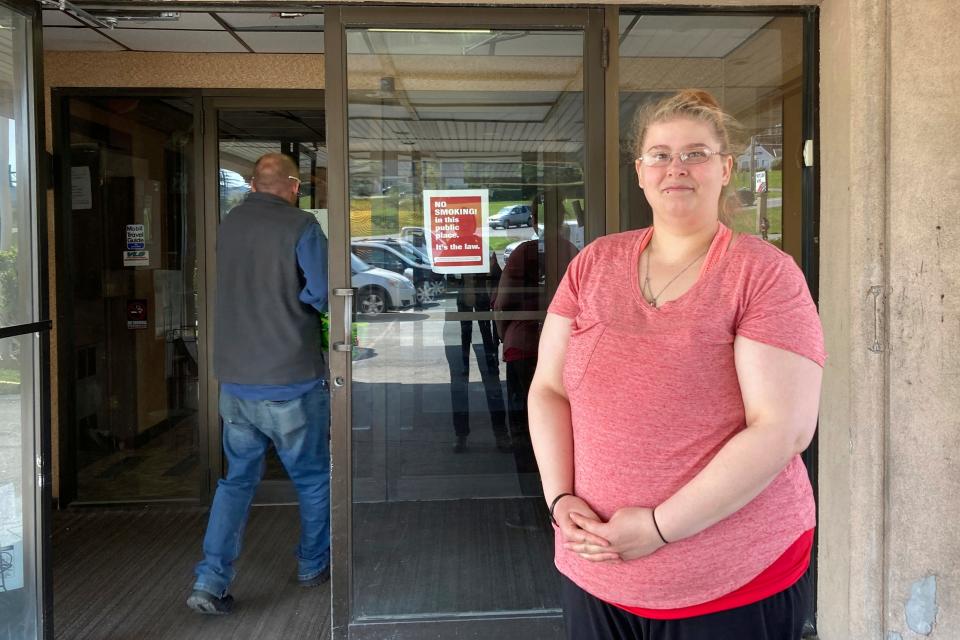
x: 133, y: 283
x: 20, y: 556
x: 17, y: 270
x: 753, y: 64
x: 466, y: 187
x: 19, y: 517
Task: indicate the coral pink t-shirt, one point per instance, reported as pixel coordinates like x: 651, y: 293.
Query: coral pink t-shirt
x: 654, y: 396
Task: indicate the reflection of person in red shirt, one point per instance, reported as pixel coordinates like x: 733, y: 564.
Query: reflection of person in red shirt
x: 522, y: 289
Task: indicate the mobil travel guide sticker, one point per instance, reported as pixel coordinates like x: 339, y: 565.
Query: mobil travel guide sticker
x: 456, y: 224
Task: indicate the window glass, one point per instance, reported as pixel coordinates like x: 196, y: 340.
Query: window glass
x: 19, y: 554
x: 468, y: 144
x: 753, y: 64
x: 132, y: 303
x: 16, y: 151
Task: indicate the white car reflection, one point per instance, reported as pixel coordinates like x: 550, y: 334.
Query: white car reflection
x: 379, y: 290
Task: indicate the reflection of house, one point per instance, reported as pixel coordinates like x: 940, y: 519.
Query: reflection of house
x: 763, y: 158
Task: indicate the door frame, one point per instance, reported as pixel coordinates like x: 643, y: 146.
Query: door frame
x: 41, y: 460
x: 211, y: 104
x: 595, y: 85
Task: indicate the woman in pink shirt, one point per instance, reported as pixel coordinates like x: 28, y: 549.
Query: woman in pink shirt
x: 668, y: 428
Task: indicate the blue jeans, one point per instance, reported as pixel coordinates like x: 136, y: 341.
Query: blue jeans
x: 299, y: 430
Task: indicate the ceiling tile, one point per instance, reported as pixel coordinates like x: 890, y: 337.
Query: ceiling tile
x: 196, y: 41
x: 64, y: 39
x: 682, y: 36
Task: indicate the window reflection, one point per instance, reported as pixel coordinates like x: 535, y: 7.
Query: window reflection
x: 439, y: 385
x: 133, y: 304
x: 754, y: 64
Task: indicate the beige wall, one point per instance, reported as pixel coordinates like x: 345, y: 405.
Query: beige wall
x: 889, y: 433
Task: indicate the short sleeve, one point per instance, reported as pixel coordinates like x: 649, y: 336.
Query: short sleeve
x: 566, y: 301
x: 779, y: 311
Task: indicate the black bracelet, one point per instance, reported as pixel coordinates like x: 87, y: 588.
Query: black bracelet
x: 653, y: 513
x: 553, y: 506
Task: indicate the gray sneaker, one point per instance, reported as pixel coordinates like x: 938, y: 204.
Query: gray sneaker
x: 203, y: 602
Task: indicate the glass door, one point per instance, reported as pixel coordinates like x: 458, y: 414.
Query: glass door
x: 466, y: 194
x: 129, y: 279
x: 245, y: 129
x: 25, y: 586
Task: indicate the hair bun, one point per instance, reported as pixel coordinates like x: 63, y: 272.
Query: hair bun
x: 698, y: 97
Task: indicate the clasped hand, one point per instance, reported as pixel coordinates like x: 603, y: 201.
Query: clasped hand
x: 628, y: 535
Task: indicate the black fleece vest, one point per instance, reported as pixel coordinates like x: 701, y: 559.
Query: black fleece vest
x: 263, y: 334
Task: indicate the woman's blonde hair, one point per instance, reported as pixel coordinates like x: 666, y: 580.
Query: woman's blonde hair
x: 701, y: 106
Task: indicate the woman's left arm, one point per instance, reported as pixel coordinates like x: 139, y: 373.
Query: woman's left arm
x: 781, y: 397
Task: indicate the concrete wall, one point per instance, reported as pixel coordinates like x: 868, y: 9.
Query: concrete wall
x: 852, y: 422
x: 922, y: 546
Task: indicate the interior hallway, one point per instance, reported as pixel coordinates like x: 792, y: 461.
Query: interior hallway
x: 124, y: 574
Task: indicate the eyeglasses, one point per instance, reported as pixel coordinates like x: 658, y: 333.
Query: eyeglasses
x: 299, y: 181
x: 690, y: 156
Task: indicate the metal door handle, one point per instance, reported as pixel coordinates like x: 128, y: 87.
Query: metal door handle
x: 347, y: 344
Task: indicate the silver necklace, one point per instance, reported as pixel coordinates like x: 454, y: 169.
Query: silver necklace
x: 647, y: 289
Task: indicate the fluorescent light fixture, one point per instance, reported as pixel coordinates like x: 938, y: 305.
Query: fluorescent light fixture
x: 431, y: 30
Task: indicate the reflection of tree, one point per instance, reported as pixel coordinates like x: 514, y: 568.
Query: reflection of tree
x: 9, y: 299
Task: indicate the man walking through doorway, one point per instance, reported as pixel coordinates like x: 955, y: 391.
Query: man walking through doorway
x: 268, y: 357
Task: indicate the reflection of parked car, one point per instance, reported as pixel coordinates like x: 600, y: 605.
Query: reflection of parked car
x: 400, y: 257
x: 379, y: 290
x: 514, y: 215
x: 573, y: 231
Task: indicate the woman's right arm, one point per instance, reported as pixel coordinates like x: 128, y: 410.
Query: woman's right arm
x: 549, y: 410
x: 551, y: 432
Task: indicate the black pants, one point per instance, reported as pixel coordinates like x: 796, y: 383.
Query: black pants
x: 779, y: 617
x: 458, y: 359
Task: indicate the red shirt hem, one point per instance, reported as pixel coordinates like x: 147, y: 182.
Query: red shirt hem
x: 781, y: 575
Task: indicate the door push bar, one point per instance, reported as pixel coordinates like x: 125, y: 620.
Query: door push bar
x: 347, y: 344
